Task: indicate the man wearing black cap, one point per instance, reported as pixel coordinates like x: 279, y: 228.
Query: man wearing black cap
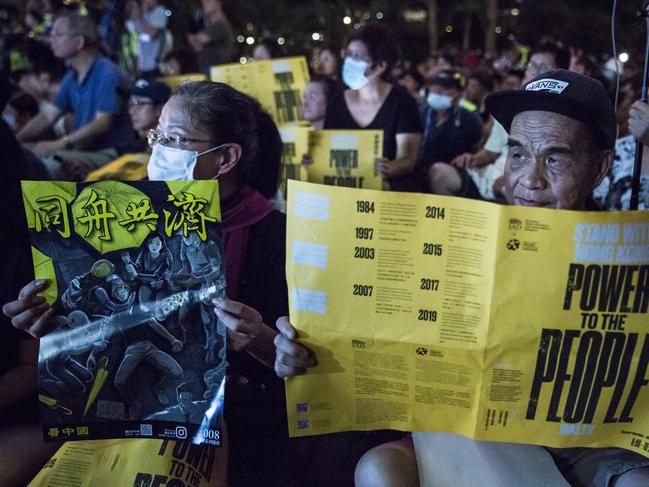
x: 449, y: 130
x: 146, y: 99
x: 562, y: 128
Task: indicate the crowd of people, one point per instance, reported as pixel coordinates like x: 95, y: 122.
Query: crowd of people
x: 82, y: 86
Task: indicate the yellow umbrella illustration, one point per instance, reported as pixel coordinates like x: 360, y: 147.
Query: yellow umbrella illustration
x: 50, y: 402
x: 98, y: 384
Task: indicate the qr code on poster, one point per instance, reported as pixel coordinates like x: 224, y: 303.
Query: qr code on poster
x: 146, y: 430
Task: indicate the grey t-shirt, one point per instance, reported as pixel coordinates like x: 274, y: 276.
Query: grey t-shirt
x: 149, y: 48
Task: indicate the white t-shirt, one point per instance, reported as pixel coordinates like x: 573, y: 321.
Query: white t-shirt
x: 485, y: 177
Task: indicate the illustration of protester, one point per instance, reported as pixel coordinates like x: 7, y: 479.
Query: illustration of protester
x: 152, y: 269
x: 203, y: 276
x: 79, y: 336
x: 187, y: 410
x: 91, y: 292
x: 135, y: 328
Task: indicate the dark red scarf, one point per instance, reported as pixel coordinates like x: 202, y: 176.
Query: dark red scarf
x: 239, y: 213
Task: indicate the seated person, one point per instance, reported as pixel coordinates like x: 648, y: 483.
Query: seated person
x: 146, y: 99
x: 560, y: 149
x: 89, y: 91
x: 449, y: 130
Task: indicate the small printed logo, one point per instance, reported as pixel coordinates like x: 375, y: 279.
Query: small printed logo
x: 303, y: 424
x: 513, y: 244
x: 146, y: 429
x: 181, y: 432
x: 358, y: 344
x: 547, y: 84
x: 422, y: 351
x: 515, y: 224
x: 302, y: 407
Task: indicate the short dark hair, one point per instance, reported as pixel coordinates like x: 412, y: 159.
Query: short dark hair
x: 380, y: 43
x: 560, y: 53
x: 414, y: 74
x: 82, y: 25
x: 485, y: 79
x: 228, y: 115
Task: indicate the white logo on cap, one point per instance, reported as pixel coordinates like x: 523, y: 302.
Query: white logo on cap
x: 141, y: 84
x: 547, y: 84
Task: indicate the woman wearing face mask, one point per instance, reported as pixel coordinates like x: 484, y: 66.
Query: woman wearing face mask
x: 372, y: 102
x: 206, y: 131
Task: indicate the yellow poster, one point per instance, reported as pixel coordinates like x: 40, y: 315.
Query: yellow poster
x: 295, y: 145
x: 432, y: 313
x: 346, y: 158
x: 137, y: 462
x: 129, y: 167
x: 177, y: 80
x: 278, y: 84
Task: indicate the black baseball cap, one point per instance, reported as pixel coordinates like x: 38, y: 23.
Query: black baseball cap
x: 157, y: 91
x: 448, y: 78
x: 561, y: 91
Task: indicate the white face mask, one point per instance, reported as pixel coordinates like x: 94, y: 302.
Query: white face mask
x: 439, y: 102
x: 173, y: 164
x: 354, y: 73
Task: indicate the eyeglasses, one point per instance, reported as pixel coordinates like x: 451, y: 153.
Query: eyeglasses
x: 137, y: 103
x: 172, y: 140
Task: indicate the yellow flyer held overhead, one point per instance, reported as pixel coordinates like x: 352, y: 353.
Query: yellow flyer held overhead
x: 177, y: 80
x: 346, y: 158
x: 278, y: 84
x: 504, y: 323
x: 129, y: 167
x: 295, y: 144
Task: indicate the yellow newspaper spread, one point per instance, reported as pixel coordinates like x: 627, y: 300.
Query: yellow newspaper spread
x: 432, y: 313
x: 137, y: 462
x: 346, y: 158
x: 278, y: 84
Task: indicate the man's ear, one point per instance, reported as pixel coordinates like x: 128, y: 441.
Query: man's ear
x: 229, y: 157
x: 604, y: 163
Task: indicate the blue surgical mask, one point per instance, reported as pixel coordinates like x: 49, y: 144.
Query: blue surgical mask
x: 173, y: 164
x: 439, y: 102
x: 354, y: 73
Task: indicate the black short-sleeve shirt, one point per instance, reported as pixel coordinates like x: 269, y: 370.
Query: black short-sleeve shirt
x: 398, y: 115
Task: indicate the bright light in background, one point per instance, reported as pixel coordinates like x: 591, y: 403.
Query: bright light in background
x: 281, y: 41
x: 498, y: 30
x: 623, y: 57
x: 515, y: 12
x: 167, y: 13
x: 449, y: 28
x: 357, y: 26
x: 347, y: 20
x: 243, y: 60
x: 317, y: 36
x: 379, y: 15
x: 250, y: 40
x: 241, y: 39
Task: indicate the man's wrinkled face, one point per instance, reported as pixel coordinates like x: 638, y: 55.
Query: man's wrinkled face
x: 549, y: 162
